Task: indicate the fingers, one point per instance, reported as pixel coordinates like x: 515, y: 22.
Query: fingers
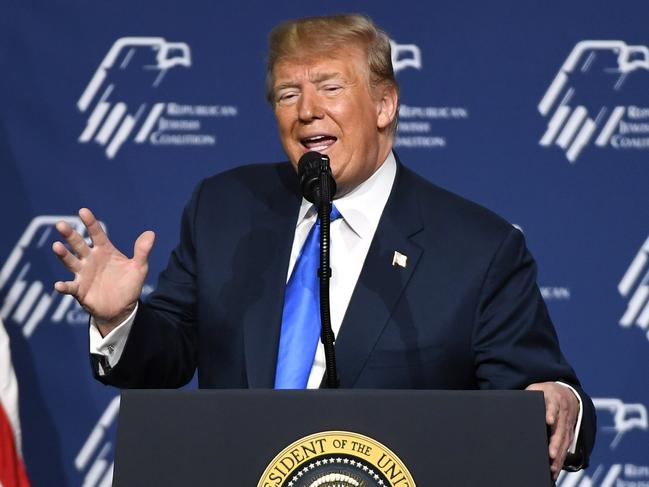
x: 556, y: 422
x: 552, y: 410
x: 143, y: 246
x: 560, y: 415
x: 560, y: 439
x: 69, y: 261
x: 76, y: 241
x: 67, y: 287
x: 72, y: 263
x: 95, y: 231
x: 563, y: 423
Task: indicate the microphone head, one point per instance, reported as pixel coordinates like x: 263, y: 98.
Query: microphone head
x: 309, y: 168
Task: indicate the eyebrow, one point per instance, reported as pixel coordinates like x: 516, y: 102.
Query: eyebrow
x: 319, y: 77
x: 316, y: 78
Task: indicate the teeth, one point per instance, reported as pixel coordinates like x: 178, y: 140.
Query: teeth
x: 315, y: 138
x: 318, y: 143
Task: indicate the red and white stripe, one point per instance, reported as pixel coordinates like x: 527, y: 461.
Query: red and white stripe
x: 12, y: 468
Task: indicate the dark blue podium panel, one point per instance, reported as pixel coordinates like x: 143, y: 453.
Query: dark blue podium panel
x: 298, y: 438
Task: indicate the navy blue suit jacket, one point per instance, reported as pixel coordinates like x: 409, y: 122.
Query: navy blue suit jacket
x: 465, y: 313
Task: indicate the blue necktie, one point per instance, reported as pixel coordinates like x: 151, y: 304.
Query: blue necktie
x: 298, y: 340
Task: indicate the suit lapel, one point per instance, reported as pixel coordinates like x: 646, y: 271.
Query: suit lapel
x: 380, y: 284
x: 262, y: 320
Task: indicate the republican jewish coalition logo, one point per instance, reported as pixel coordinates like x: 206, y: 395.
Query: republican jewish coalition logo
x: 123, y: 100
x: 635, y: 286
x: 25, y: 286
x: 599, y: 96
x: 616, y: 419
x: 336, y: 459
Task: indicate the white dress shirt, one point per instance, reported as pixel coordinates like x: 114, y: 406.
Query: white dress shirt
x: 351, y: 236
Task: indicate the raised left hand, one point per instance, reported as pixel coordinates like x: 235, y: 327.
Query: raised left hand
x: 561, y: 411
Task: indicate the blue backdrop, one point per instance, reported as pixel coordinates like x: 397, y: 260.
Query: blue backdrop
x: 538, y: 110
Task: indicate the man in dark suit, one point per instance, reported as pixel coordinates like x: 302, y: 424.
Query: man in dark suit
x: 429, y: 290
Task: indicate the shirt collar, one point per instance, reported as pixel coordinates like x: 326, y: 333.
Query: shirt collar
x: 362, y: 207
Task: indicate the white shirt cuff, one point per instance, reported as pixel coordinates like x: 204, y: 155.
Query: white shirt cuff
x: 573, y: 446
x: 112, y: 345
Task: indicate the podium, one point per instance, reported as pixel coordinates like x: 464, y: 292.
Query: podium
x: 322, y: 438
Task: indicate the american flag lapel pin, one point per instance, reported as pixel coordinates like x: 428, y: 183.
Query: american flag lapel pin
x: 399, y: 259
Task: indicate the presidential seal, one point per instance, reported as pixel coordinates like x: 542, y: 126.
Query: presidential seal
x: 336, y: 459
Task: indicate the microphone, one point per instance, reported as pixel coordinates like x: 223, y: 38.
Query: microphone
x: 319, y: 187
x: 311, y: 167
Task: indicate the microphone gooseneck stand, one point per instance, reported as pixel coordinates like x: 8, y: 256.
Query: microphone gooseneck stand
x: 324, y: 274
x: 319, y: 187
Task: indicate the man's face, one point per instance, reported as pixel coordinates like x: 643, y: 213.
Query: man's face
x: 324, y: 104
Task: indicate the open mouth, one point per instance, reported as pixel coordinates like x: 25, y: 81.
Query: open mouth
x: 318, y: 143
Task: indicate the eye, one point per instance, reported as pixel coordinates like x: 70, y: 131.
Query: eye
x: 286, y: 97
x: 332, y: 89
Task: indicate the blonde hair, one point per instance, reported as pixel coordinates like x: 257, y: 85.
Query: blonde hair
x: 313, y: 36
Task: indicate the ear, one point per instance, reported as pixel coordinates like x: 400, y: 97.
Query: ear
x: 386, y: 105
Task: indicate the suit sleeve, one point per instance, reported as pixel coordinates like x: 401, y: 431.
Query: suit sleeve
x: 161, y: 348
x: 514, y: 339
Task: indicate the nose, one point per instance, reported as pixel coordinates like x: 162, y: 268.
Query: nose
x: 309, y: 107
